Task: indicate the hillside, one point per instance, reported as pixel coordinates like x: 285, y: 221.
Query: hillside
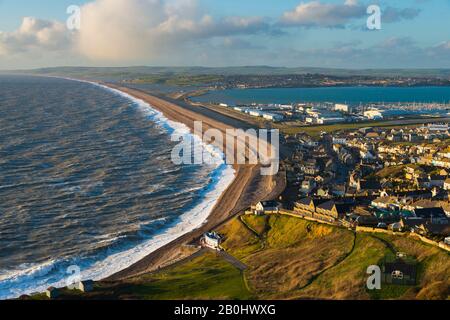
x: 288, y: 258
x: 241, y: 70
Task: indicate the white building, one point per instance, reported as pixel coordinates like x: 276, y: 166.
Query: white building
x: 266, y: 207
x: 438, y: 127
x: 342, y: 107
x: 373, y: 114
x: 342, y: 141
x: 272, y: 116
x: 255, y: 113
x: 212, y: 240
x: 328, y: 120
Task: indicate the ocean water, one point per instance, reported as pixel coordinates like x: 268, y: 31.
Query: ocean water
x: 350, y: 95
x: 86, y: 180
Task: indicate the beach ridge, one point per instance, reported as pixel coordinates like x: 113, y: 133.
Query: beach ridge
x: 248, y: 187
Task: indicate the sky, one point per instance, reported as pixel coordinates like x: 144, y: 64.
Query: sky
x: 290, y: 33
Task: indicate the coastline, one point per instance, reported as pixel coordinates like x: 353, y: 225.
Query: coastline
x: 222, y: 175
x: 233, y: 189
x: 247, y: 187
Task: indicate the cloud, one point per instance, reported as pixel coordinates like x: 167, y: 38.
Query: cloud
x: 35, y: 34
x: 131, y: 30
x: 318, y: 14
x: 329, y: 15
x: 391, y: 14
x: 153, y: 27
x: 394, y: 52
x: 182, y: 32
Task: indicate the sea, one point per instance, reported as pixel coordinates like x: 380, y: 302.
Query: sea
x: 87, y: 183
x: 348, y: 95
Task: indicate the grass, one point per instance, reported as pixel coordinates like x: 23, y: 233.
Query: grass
x: 433, y: 267
x: 258, y: 224
x: 290, y: 255
x: 347, y: 280
x: 288, y: 258
x: 206, y: 277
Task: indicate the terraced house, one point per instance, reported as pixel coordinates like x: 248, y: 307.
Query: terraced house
x: 324, y: 210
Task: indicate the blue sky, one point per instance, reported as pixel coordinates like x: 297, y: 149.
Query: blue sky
x: 331, y: 33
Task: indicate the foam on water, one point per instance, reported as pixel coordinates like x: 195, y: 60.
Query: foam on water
x: 29, y: 278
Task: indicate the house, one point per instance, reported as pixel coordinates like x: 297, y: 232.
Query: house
x: 370, y: 187
x: 331, y: 211
x: 212, y: 240
x: 431, y: 229
x: 447, y: 241
x: 437, y: 181
x: 307, y: 206
x: 52, y: 292
x: 434, y: 215
x: 266, y: 207
x: 323, y: 193
x: 339, y: 190
x: 424, y: 183
x: 447, y: 184
x: 411, y: 224
x: 385, y: 202
x: 308, y: 185
x: 396, y: 226
x: 84, y: 286
x: 399, y: 272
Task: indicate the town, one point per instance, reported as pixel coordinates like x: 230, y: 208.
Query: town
x: 385, y: 178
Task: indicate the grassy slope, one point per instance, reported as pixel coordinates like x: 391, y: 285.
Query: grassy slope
x: 289, y: 258
x: 433, y: 271
x: 205, y: 277
x: 295, y: 252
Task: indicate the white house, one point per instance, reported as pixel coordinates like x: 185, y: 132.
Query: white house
x: 212, y: 240
x: 266, y: 207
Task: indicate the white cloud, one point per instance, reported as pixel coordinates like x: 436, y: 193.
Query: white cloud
x: 330, y: 15
x: 152, y: 27
x: 35, y: 34
x: 129, y: 30
x: 316, y: 13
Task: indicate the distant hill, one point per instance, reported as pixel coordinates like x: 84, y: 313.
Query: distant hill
x: 126, y: 72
